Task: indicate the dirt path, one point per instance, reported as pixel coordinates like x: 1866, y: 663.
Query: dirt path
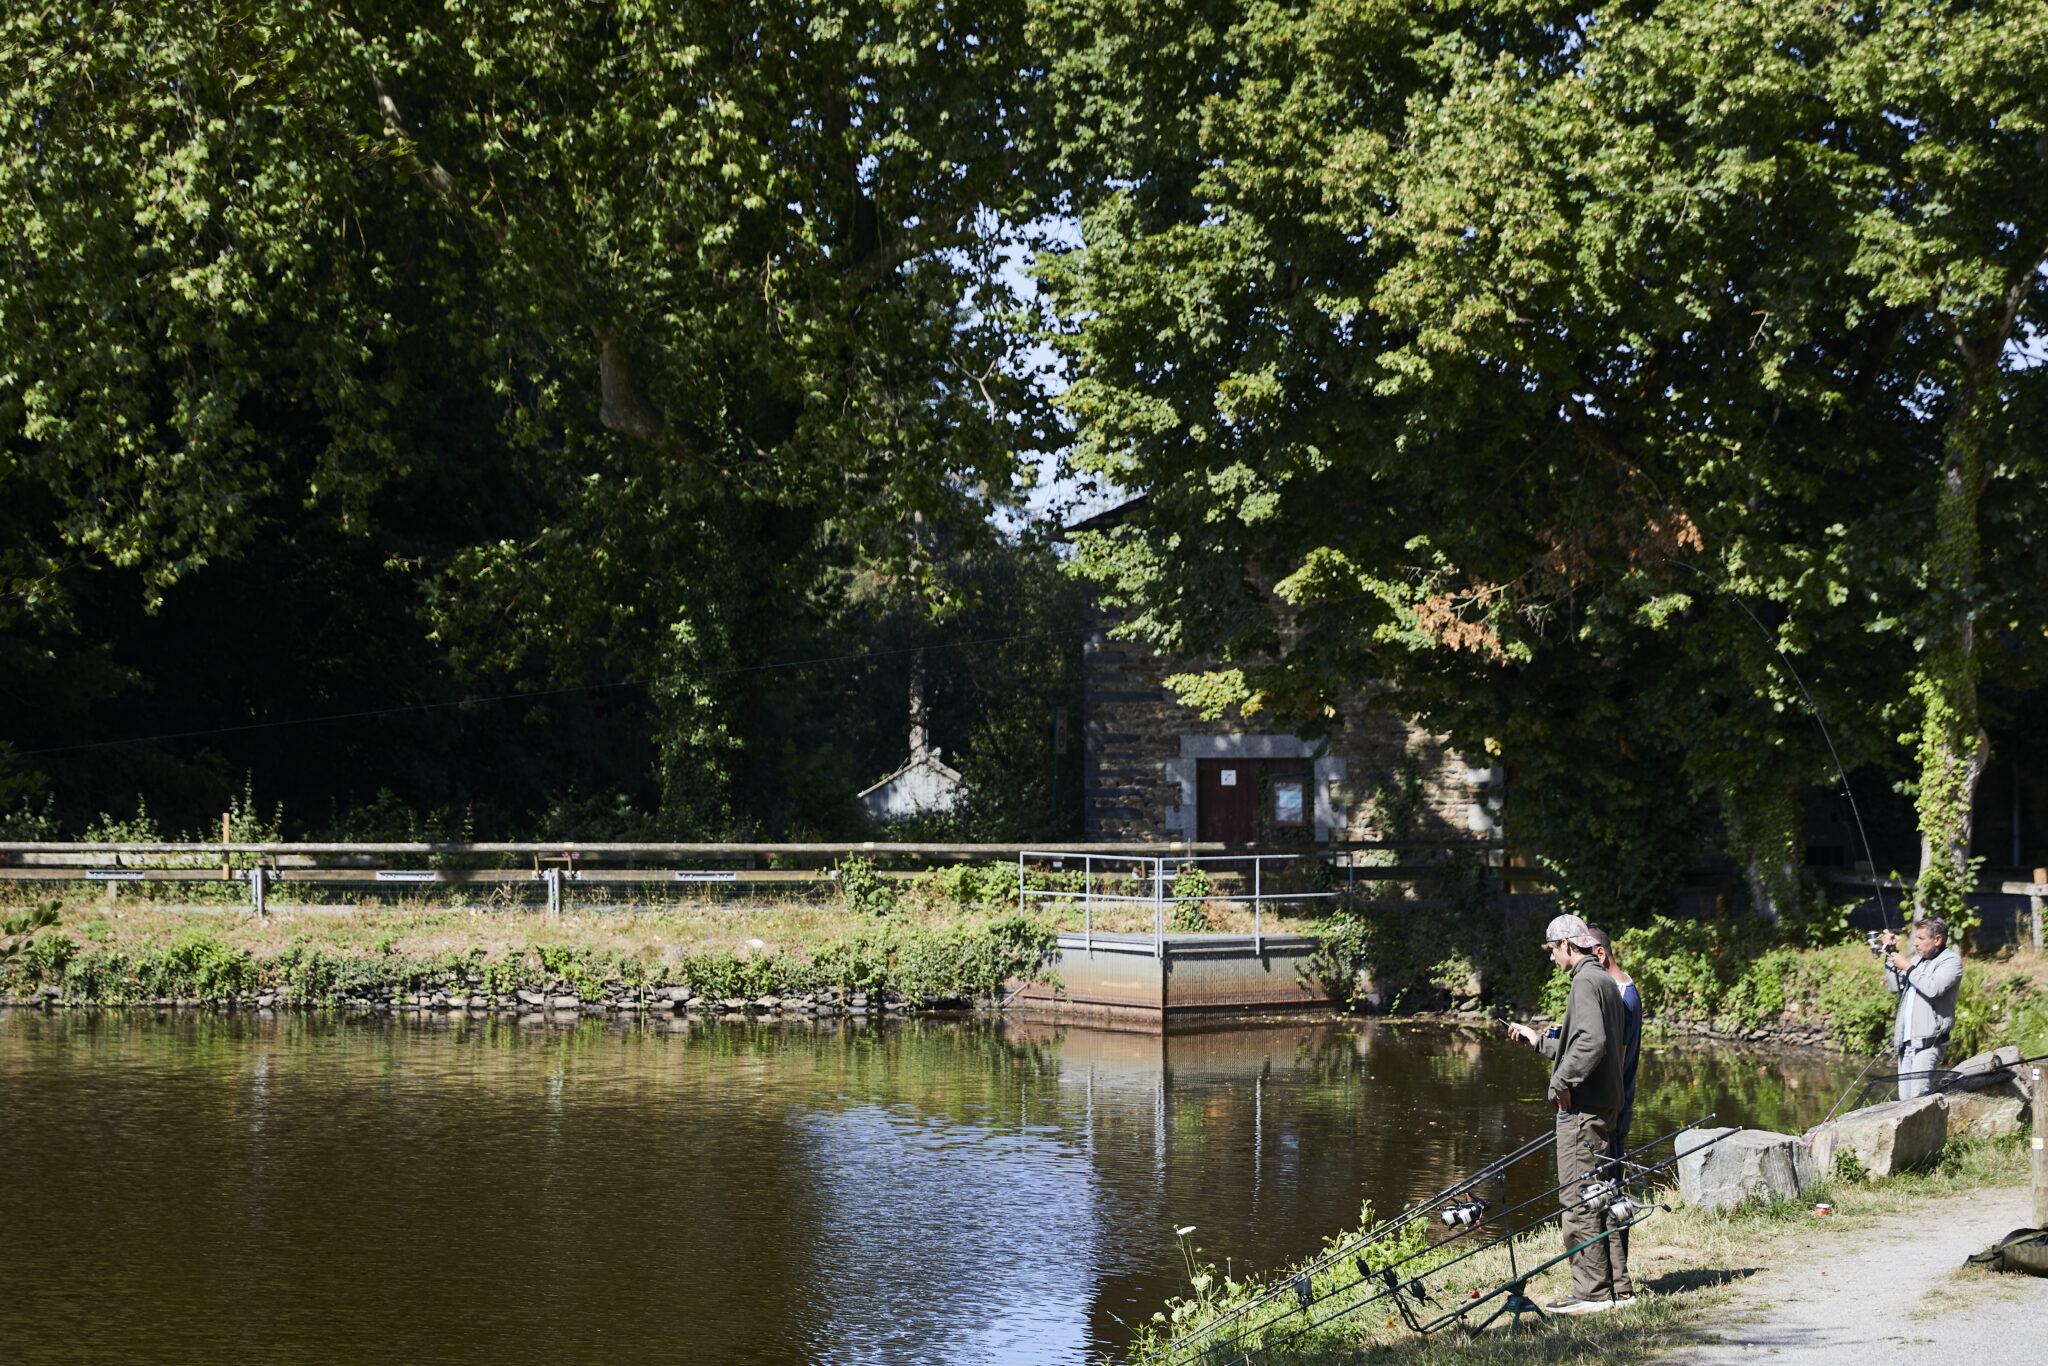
x: 1894, y: 1291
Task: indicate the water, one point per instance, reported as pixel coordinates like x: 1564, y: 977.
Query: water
x: 193, y: 1187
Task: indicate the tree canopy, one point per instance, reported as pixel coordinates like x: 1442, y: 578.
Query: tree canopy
x: 1627, y: 384
x: 709, y: 298
x: 1610, y: 378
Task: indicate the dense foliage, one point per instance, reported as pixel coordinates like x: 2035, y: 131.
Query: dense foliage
x: 613, y: 358
x: 602, y: 404
x: 1627, y: 383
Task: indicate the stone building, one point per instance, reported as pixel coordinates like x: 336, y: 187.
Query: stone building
x: 1155, y: 770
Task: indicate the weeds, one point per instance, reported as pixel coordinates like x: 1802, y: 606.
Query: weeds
x: 1190, y: 915
x: 919, y: 962
x: 864, y: 890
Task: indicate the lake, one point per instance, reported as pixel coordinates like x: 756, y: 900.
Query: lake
x: 189, y: 1186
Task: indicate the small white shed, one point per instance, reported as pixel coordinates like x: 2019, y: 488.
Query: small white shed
x: 923, y: 784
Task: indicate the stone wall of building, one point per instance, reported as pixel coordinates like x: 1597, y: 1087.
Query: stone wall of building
x: 1142, y: 746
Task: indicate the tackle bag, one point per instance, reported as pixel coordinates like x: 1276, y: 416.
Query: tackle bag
x: 2024, y: 1250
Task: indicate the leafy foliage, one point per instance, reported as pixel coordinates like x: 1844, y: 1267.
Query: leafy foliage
x: 1488, y: 339
x: 621, y: 355
x: 960, y: 962
x: 1190, y: 915
x: 863, y: 889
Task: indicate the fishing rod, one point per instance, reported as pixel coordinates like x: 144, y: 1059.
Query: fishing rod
x: 1517, y: 1283
x: 1813, y: 710
x: 1848, y: 792
x: 1943, y: 1081
x: 1380, y: 1232
x: 1875, y: 1058
x: 1301, y: 1283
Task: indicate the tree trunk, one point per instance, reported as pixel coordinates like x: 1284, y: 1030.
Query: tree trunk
x: 920, y: 727
x: 1764, y: 831
x: 1953, y: 748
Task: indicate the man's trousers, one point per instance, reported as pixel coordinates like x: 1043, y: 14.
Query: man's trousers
x: 1600, y: 1270
x: 1916, y: 1069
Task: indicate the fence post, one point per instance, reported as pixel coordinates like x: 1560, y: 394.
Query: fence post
x: 256, y: 890
x: 2034, y: 909
x: 1159, y: 908
x: 1258, y: 885
x: 554, y: 893
x: 2040, y: 1095
x: 1088, y: 902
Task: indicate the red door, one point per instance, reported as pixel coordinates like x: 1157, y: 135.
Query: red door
x: 1227, y: 800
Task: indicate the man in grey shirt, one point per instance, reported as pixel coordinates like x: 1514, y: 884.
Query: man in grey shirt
x: 1585, y: 1082
x: 1926, y: 985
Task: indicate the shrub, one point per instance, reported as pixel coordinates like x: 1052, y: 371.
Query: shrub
x: 1859, y: 1009
x: 46, y: 956
x: 1190, y: 913
x: 196, y: 964
x: 863, y: 889
x: 35, y: 918
x: 1758, y: 996
x: 968, y: 885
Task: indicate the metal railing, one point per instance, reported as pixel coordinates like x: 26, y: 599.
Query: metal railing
x: 263, y: 867
x: 1155, y: 874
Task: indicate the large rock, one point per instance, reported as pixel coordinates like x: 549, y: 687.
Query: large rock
x: 1885, y: 1138
x: 1991, y: 1113
x: 1748, y: 1164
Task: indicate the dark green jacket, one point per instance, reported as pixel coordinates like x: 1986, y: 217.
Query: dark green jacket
x: 1587, y: 1049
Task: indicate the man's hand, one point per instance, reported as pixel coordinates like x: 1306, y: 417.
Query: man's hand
x: 1520, y: 1033
x: 1564, y: 1097
x: 1901, y: 962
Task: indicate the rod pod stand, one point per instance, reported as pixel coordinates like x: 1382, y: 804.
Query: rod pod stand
x: 1189, y: 1348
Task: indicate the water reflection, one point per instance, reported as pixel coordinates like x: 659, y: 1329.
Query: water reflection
x: 929, y: 1192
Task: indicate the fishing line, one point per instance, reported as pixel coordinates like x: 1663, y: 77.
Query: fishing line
x: 1855, y: 811
x: 1492, y: 1171
x: 1813, y: 709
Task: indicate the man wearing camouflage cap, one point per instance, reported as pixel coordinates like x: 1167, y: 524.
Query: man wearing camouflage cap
x: 1585, y: 1082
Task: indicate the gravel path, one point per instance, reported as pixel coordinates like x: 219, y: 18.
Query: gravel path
x: 1892, y: 1292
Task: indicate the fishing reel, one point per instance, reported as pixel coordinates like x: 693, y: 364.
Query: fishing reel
x: 1624, y: 1207
x: 1875, y: 939
x: 1463, y: 1214
x: 1621, y: 1205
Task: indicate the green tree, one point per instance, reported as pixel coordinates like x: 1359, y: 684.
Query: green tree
x: 1484, y: 335
x: 727, y: 278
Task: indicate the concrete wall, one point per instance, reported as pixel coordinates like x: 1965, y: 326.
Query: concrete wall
x: 1141, y: 748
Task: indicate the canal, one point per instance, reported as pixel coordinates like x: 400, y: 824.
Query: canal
x: 309, y: 1187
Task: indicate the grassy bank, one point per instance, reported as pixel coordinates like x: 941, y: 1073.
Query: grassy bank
x: 945, y: 937
x: 1686, y: 1263
x: 930, y: 945
x: 948, y: 934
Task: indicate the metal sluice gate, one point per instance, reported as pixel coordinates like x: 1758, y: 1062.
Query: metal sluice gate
x: 1312, y: 1296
